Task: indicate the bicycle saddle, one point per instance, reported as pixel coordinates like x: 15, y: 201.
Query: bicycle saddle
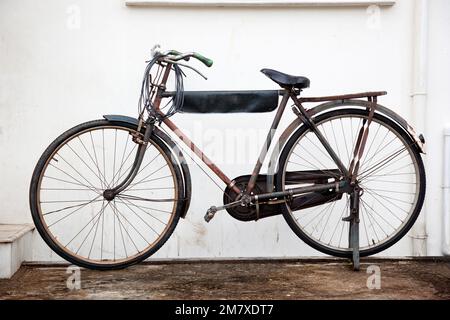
x: 286, y: 80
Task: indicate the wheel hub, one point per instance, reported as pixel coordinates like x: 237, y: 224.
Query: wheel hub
x: 109, y: 195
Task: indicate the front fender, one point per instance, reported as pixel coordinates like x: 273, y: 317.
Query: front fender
x: 360, y: 104
x: 176, y: 154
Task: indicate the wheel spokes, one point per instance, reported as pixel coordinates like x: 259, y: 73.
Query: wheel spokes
x: 388, y: 177
x: 82, y: 221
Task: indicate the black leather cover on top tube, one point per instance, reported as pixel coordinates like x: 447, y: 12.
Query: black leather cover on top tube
x: 229, y: 101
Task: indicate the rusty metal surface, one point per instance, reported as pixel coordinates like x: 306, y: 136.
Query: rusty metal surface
x: 283, y: 279
x: 199, y: 153
x: 307, y: 119
x: 362, y: 140
x: 343, y: 97
x: 322, y: 108
x: 266, y: 146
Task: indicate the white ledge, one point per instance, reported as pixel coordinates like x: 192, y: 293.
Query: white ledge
x: 257, y: 3
x: 11, y: 232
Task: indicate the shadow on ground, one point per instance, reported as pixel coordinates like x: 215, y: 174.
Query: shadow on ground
x: 406, y: 279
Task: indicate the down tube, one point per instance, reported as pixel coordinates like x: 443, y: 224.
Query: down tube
x: 222, y: 176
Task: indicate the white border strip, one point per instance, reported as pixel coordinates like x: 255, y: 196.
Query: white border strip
x: 257, y: 3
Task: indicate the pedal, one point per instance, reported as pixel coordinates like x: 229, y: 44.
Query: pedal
x: 210, y: 213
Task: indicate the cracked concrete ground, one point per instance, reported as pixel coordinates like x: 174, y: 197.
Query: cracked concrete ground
x: 284, y: 279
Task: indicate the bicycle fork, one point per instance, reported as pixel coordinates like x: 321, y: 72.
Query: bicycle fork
x: 110, y: 194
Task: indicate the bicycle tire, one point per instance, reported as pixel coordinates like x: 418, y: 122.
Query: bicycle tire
x: 40, y: 222
x: 348, y: 252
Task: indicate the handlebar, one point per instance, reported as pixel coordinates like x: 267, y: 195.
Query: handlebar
x: 176, y: 56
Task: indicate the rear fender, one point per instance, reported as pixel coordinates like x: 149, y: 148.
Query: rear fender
x: 176, y: 155
x: 328, y: 106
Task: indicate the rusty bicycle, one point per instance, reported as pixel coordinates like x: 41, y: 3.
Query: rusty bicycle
x: 347, y: 174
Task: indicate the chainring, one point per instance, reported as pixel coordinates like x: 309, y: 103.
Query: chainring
x: 249, y: 213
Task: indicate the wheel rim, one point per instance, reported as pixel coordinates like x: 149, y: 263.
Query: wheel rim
x: 387, y: 204
x: 81, y: 222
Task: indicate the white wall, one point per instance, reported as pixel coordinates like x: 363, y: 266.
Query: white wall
x: 54, y: 75
x: 438, y: 116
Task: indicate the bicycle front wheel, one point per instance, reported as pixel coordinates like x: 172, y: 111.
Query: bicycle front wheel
x: 391, y: 176
x: 71, y: 213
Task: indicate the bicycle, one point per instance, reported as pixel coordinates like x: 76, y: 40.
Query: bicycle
x: 108, y: 193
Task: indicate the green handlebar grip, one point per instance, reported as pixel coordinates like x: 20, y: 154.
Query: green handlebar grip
x: 207, y: 62
x: 198, y: 56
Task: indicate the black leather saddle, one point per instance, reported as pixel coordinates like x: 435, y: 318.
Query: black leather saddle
x: 286, y: 80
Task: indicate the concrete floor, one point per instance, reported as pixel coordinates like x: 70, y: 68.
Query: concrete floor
x: 286, y: 279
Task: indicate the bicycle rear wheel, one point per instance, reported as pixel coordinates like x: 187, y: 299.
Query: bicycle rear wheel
x: 391, y: 176
x: 71, y: 213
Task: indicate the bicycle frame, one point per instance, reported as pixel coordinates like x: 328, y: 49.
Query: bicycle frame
x: 348, y: 174
x: 335, y: 186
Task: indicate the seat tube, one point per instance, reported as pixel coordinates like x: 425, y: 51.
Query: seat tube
x: 269, y: 138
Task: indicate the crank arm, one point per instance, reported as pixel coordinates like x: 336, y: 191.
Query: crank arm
x: 213, y: 210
